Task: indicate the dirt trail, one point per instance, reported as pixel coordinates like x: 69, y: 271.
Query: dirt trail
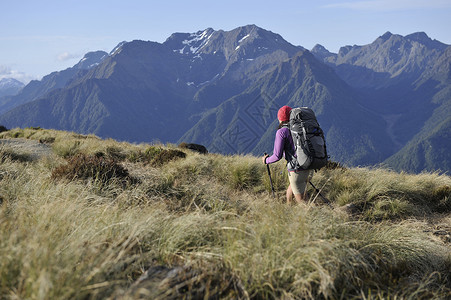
x: 32, y: 147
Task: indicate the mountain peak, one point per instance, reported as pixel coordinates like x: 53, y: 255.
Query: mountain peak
x: 386, y: 36
x: 320, y: 49
x: 91, y: 59
x: 117, y: 48
x: 419, y: 36
x: 258, y: 32
x: 229, y: 43
x: 9, y: 81
x: 249, y: 27
x: 10, y: 86
x: 189, y: 43
x: 423, y: 38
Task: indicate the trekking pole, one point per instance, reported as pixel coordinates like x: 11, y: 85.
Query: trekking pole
x: 319, y: 193
x: 270, y: 179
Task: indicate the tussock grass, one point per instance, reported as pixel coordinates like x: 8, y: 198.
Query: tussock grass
x: 320, y: 255
x: 383, y: 194
x: 8, y: 153
x: 207, y: 226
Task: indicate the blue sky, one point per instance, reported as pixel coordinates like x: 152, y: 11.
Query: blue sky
x: 39, y: 37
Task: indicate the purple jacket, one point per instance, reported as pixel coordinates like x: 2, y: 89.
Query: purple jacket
x: 283, y: 146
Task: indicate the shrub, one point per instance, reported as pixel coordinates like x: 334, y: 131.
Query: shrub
x: 18, y: 134
x: 114, y: 153
x: 166, y: 155
x: 9, y: 154
x: 47, y: 140
x: 194, y: 147
x: 145, y: 156
x: 100, y: 169
x: 151, y: 152
x: 442, y: 195
x: 155, y: 156
x: 3, y: 128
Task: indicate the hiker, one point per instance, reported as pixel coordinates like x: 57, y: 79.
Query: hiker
x: 284, y: 146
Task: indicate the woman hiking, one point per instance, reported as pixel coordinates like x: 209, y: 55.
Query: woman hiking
x: 284, y: 146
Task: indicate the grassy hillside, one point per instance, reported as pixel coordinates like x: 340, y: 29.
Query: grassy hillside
x: 99, y: 219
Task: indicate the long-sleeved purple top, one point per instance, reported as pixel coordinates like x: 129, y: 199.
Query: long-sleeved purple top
x: 283, y: 147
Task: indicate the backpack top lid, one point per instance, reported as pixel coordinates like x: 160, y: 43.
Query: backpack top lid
x: 302, y: 113
x: 303, y: 117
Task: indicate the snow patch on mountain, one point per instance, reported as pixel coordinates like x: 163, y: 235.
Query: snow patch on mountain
x: 243, y: 38
x: 117, y: 48
x: 197, y: 41
x: 91, y: 60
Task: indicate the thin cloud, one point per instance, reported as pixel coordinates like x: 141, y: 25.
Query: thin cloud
x: 67, y: 56
x: 391, y: 5
x: 7, y: 72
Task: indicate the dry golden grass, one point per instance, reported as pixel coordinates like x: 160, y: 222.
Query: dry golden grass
x: 207, y: 226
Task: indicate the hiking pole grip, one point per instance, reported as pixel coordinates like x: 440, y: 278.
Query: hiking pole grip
x: 270, y: 179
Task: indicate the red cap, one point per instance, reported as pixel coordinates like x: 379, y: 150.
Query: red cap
x: 284, y: 113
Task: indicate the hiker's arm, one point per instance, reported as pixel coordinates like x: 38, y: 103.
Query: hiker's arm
x: 278, y: 149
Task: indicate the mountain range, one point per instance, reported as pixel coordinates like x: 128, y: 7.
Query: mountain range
x: 10, y: 86
x: 387, y: 102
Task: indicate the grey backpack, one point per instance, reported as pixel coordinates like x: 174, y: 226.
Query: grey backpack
x: 308, y: 138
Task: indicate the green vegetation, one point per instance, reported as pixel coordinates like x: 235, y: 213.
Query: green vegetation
x: 90, y: 218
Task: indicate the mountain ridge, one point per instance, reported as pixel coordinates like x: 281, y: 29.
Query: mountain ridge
x: 373, y: 100
x: 55, y: 80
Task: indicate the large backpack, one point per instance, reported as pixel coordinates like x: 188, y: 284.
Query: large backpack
x: 308, y: 138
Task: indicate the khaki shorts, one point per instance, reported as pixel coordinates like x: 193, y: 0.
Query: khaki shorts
x: 298, y: 180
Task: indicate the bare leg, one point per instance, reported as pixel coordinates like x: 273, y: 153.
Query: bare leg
x: 289, y: 195
x: 300, y: 198
x: 304, y: 195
